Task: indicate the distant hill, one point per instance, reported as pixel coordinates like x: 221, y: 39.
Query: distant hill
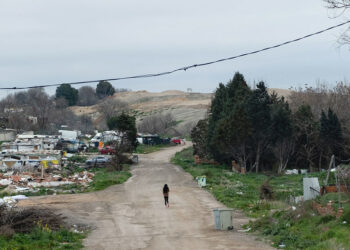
x: 184, y: 106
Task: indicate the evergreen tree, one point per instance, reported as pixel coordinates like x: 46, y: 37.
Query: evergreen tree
x: 232, y: 136
x: 331, y: 134
x: 237, y: 92
x: 104, y: 89
x: 199, y: 138
x: 227, y: 99
x: 216, y: 111
x: 68, y: 93
x: 306, y: 135
x: 125, y: 124
x: 282, y: 132
x: 258, y: 109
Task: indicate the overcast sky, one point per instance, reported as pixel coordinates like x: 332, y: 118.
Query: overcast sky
x: 45, y: 42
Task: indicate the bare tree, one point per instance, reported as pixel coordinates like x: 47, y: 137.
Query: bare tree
x: 306, y: 135
x: 122, y: 148
x: 341, y: 7
x: 322, y: 98
x: 284, y: 150
x: 111, y: 107
x: 18, y: 121
x: 41, y: 106
x: 186, y: 128
x: 87, y: 96
x: 156, y: 124
x: 85, y: 124
x: 338, y: 4
x: 61, y: 103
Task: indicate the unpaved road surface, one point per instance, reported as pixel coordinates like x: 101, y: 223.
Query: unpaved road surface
x: 133, y: 215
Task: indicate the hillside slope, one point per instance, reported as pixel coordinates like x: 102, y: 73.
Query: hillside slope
x: 185, y: 107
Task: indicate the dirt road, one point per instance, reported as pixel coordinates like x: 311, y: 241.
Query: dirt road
x: 133, y: 215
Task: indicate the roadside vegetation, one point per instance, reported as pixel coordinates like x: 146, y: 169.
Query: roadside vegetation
x: 286, y: 225
x: 41, y: 238
x: 34, y: 228
x: 104, y: 178
x: 252, y: 130
x: 147, y: 149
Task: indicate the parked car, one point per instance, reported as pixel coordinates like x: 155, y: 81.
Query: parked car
x: 98, y: 160
x: 176, y: 140
x: 107, y: 150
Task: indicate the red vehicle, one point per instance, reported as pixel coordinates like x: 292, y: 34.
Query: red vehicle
x: 107, y: 150
x: 176, y: 140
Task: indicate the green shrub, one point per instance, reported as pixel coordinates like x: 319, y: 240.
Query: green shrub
x: 77, y: 158
x: 325, y: 219
x: 346, y: 216
x: 41, y: 238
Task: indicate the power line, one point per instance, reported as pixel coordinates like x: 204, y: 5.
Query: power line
x: 186, y: 67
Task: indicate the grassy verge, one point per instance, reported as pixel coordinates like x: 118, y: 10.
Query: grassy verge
x: 292, y: 228
x: 104, y: 178
x: 241, y: 191
x: 302, y: 228
x: 147, y: 149
x: 43, y: 238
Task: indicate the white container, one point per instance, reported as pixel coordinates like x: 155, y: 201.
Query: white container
x: 202, y: 181
x: 223, y: 218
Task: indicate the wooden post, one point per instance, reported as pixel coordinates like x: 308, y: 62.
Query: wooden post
x: 332, y: 163
x: 338, y: 186
x: 42, y: 171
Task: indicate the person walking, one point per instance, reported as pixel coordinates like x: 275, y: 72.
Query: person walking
x: 166, y: 195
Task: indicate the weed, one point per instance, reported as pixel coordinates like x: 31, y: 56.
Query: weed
x: 40, y: 238
x: 104, y: 179
x: 146, y: 149
x: 77, y: 158
x: 346, y: 217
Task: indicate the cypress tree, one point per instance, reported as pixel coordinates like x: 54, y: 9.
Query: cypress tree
x: 331, y: 134
x: 227, y: 99
x: 258, y: 107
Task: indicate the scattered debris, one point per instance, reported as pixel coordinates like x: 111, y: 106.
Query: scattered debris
x: 328, y: 209
x: 244, y: 230
x: 291, y: 171
x: 29, y: 182
x: 11, y: 201
x: 295, y: 171
x: 5, y: 182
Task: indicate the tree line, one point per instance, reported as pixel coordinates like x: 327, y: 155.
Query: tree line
x: 265, y: 132
x: 86, y: 95
x: 36, y: 110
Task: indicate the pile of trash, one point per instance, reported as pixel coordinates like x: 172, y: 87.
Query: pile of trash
x: 28, y: 182
x: 11, y: 201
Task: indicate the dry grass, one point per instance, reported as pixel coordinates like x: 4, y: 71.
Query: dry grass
x: 183, y: 106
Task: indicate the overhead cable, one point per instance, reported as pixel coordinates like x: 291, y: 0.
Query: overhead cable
x: 185, y: 67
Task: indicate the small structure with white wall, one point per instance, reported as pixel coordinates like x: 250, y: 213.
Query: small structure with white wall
x: 311, y: 188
